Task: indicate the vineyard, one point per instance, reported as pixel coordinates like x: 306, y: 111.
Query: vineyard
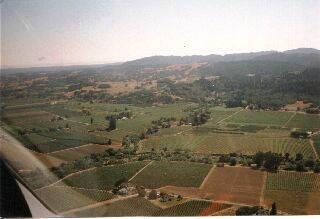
x: 305, y: 121
x: 103, y: 177
x: 220, y: 143
x: 293, y: 181
x: 294, y: 193
x: 159, y: 174
x: 66, y: 198
x: 261, y: 117
x: 128, y: 207
x: 192, y: 208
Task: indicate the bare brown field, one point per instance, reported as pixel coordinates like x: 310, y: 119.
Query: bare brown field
x: 297, y: 106
x: 294, y: 202
x: 226, y: 212
x: 230, y: 184
x: 82, y: 151
x: 235, y: 184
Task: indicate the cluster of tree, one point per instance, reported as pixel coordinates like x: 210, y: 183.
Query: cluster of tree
x: 163, y: 122
x: 231, y: 159
x: 313, y: 110
x: 198, y: 116
x: 299, y: 134
x: 130, y: 143
x: 256, y: 210
x: 270, y: 161
x: 271, y: 91
x: 124, y: 114
x: 300, y: 164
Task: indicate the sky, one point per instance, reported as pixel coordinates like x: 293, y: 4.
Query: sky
x: 67, y: 32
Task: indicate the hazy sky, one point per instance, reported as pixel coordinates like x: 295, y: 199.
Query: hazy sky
x: 61, y: 32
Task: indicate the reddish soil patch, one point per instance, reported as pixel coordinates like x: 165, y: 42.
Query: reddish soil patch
x: 213, y: 208
x: 231, y: 184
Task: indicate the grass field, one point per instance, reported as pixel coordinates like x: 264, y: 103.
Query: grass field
x: 128, y: 207
x: 103, y: 177
x: 221, y: 143
x: 160, y: 174
x: 260, y: 118
x: 305, y: 121
x: 293, y: 192
x: 192, y: 208
x: 66, y: 198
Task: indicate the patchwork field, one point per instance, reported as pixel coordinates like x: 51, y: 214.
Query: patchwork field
x: 294, y: 193
x: 127, y: 207
x: 66, y: 198
x: 160, y: 174
x: 103, y: 177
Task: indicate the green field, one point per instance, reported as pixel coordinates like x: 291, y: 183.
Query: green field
x: 127, y: 207
x: 260, y: 118
x: 159, y: 174
x: 103, y: 177
x: 305, y: 121
x: 220, y: 143
x: 66, y: 198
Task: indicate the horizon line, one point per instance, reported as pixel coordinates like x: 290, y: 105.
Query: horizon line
x: 121, y: 62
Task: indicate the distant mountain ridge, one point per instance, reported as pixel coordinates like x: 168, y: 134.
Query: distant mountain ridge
x: 264, y: 62
x: 311, y: 55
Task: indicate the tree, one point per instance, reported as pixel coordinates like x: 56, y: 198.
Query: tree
x: 233, y: 161
x: 272, y: 161
x: 286, y: 156
x: 299, y: 156
x: 273, y: 210
x: 300, y: 167
x: 91, y: 120
x: 258, y: 158
x: 119, y: 182
x: 153, y: 194
x: 141, y: 192
x: 112, y: 123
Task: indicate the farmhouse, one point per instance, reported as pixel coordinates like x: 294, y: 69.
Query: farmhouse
x: 164, y: 197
